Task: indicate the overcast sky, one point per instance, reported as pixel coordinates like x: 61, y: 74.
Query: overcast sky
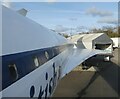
x: 64, y: 15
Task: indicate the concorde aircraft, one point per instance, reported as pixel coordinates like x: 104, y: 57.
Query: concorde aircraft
x: 34, y: 58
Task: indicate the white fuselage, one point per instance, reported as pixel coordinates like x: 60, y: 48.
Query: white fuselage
x: 34, y: 58
x: 42, y: 87
x: 24, y: 39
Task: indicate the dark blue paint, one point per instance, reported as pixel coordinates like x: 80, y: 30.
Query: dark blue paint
x: 50, y: 86
x: 25, y: 63
x: 32, y: 91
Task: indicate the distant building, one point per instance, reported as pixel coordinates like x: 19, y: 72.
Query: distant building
x: 116, y: 42
x: 93, y: 41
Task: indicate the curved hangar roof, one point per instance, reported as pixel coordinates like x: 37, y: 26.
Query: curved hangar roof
x: 101, y: 38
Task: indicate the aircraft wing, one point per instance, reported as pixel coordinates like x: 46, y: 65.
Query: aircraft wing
x: 76, y: 57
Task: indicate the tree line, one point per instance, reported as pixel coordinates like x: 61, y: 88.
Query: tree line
x: 110, y: 31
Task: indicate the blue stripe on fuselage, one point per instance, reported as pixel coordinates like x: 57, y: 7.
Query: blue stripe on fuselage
x: 24, y: 62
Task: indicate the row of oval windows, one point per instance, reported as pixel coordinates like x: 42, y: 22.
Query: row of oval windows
x: 13, y: 69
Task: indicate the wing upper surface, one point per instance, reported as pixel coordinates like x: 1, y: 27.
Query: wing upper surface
x: 77, y: 56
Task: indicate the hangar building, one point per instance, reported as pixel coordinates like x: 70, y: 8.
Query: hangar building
x: 93, y: 41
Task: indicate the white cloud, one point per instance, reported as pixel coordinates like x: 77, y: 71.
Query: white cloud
x: 51, y: 1
x: 108, y: 20
x: 60, y: 28
x: 97, y: 12
x: 81, y: 29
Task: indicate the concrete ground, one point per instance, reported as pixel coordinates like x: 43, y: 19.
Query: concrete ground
x: 103, y: 83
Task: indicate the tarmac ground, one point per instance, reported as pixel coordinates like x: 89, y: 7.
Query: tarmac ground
x: 102, y: 83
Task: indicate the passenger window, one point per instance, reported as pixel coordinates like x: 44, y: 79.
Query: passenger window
x: 13, y: 71
x: 36, y: 61
x: 46, y: 55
